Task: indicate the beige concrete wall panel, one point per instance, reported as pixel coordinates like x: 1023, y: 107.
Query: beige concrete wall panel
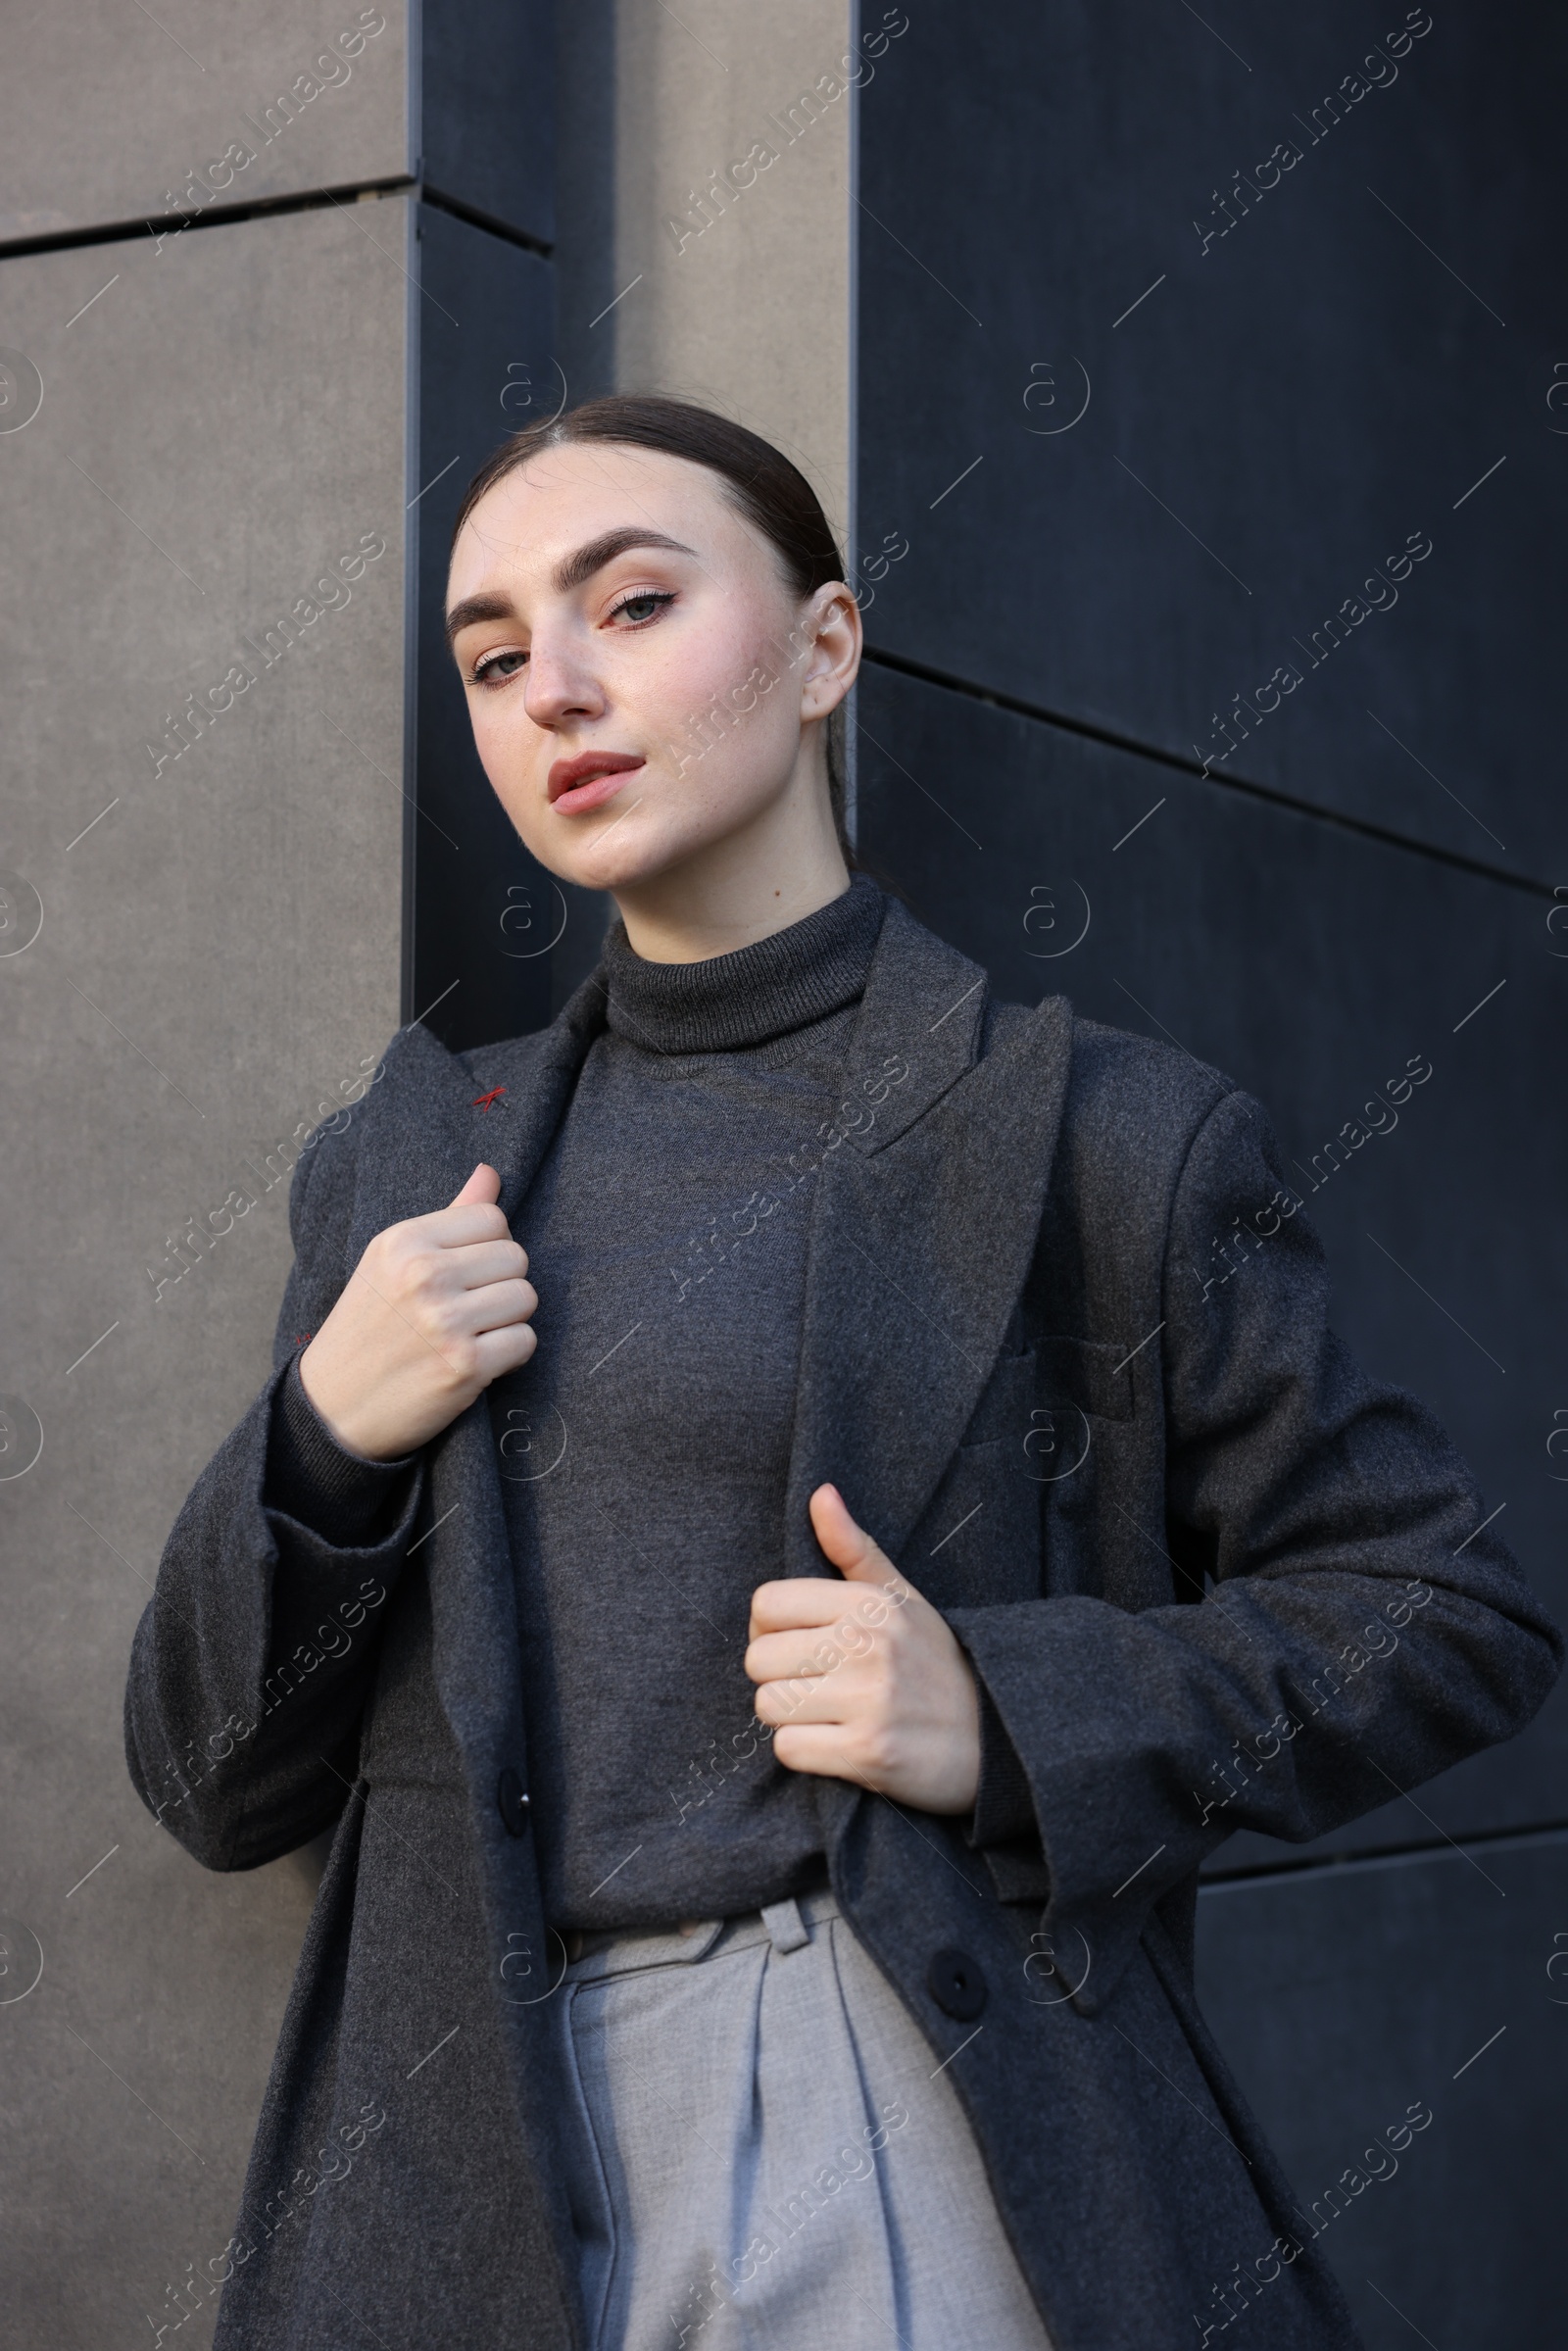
x: 743, y: 299
x: 110, y: 112
x: 221, y: 432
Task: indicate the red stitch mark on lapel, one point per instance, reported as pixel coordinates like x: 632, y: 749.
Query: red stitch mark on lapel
x: 482, y: 1101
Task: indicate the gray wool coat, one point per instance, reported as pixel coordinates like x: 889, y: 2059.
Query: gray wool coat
x: 1210, y: 1574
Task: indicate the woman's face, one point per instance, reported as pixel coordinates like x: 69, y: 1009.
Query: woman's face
x: 642, y: 681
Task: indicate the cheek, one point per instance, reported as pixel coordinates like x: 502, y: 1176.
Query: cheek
x: 515, y: 756
x: 710, y: 684
x: 506, y: 740
x: 731, y: 714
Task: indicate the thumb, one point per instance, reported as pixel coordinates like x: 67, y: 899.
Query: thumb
x: 848, y: 1546
x: 482, y: 1189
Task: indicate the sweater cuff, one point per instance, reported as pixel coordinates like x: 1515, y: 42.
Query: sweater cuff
x: 311, y: 1477
x: 1004, y: 1806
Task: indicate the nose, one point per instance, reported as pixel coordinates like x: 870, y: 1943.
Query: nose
x: 561, y: 687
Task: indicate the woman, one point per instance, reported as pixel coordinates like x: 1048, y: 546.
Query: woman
x: 708, y: 1951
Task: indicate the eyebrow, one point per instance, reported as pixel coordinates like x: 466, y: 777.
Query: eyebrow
x: 572, y: 571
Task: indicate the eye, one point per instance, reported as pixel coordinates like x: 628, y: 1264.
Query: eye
x: 644, y: 607
x: 494, y: 668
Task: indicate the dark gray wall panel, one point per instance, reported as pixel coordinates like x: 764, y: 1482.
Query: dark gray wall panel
x: 587, y: 162
x: 484, y: 922
x: 1343, y: 1997
x: 1309, y: 963
x: 487, y: 129
x: 1272, y: 420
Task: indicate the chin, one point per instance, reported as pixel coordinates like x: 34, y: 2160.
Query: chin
x: 600, y: 857
x: 606, y: 850
x: 621, y: 868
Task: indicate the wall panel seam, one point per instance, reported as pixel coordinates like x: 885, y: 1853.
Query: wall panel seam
x: 216, y: 215
x: 1155, y: 751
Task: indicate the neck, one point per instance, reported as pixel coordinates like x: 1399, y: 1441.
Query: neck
x: 782, y: 867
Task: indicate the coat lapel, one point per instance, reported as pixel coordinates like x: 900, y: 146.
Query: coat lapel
x: 433, y: 1133
x: 539, y: 1073
x: 429, y: 1136
x: 921, y: 1239
x: 421, y: 1161
x: 922, y: 1233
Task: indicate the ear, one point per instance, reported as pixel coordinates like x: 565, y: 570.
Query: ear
x: 832, y: 621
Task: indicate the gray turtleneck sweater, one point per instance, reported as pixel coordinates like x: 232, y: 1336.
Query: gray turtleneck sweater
x: 645, y: 1446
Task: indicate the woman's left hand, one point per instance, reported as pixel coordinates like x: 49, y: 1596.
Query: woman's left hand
x: 866, y: 1685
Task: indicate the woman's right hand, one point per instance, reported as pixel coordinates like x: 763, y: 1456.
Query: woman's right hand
x: 436, y: 1309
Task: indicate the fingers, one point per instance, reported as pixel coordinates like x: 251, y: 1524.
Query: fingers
x: 849, y: 1695
x: 482, y: 1187
x: 465, y: 1225
x: 473, y: 1217
x: 848, y: 1546
x: 508, y: 1347
x: 476, y: 1264
x: 819, y: 1751
x: 796, y: 1601
x: 471, y: 1231
x: 818, y: 1644
x: 437, y: 1307
x: 500, y: 1304
x: 815, y: 1647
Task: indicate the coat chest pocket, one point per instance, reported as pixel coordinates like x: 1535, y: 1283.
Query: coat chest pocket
x: 1013, y: 1511
x: 979, y: 1540
x: 1085, y: 1389
x: 1054, y: 1412
x: 1038, y: 1406
x: 1089, y: 1374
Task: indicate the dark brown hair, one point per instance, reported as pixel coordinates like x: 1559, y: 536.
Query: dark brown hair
x: 759, y: 481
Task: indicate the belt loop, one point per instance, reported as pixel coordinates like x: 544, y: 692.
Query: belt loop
x: 787, y: 1929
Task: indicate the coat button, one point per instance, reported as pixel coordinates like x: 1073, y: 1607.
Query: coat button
x: 511, y: 1801
x: 956, y: 1983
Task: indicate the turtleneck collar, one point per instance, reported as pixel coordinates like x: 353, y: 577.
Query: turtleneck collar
x: 761, y: 992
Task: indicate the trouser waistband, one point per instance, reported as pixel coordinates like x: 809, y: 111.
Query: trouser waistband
x: 613, y: 1951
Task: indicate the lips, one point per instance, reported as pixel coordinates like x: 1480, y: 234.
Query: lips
x: 589, y: 780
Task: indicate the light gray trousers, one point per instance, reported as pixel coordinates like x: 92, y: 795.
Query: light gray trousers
x: 765, y: 2155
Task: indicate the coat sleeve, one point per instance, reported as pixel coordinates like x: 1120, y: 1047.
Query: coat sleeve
x: 253, y: 1660
x: 1362, y: 1626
